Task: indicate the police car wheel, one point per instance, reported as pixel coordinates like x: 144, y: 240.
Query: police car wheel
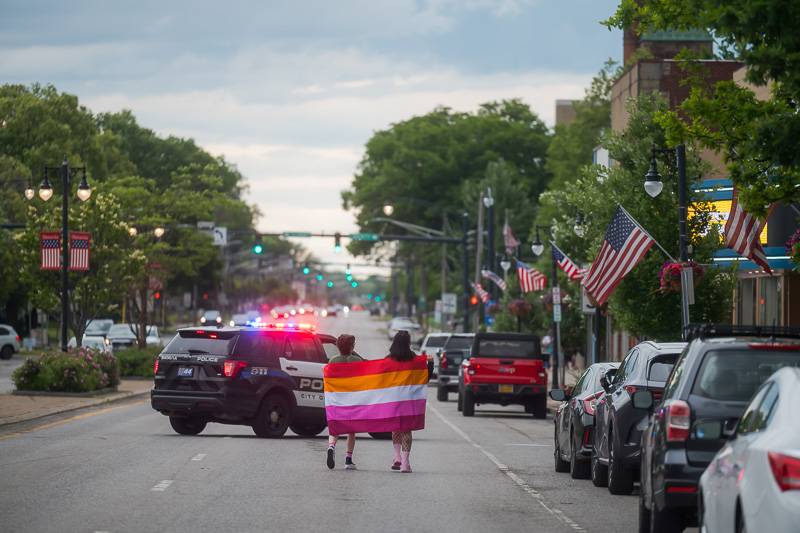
x: 307, y: 429
x: 273, y: 417
x: 187, y: 425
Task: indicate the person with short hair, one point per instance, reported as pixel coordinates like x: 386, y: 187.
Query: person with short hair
x: 345, y: 343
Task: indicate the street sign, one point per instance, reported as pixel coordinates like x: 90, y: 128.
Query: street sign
x: 364, y: 236
x: 586, y: 304
x: 449, y: 303
x: 556, y: 295
x: 296, y: 234
x: 556, y: 312
x: 220, y: 236
x: 205, y: 225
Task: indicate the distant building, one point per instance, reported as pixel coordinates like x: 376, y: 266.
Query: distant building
x: 565, y: 112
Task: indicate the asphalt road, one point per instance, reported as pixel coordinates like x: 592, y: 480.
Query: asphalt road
x: 122, y: 469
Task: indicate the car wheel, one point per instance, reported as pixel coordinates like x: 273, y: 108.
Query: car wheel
x: 460, y: 401
x: 644, y: 515
x: 620, y: 479
x: 599, y: 472
x: 539, y: 407
x: 307, y: 429
x: 441, y: 393
x: 273, y: 417
x: 468, y: 404
x: 386, y: 435
x: 578, y: 469
x: 187, y: 425
x: 666, y: 521
x: 7, y: 352
x: 560, y: 464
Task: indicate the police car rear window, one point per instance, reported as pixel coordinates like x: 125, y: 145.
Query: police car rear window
x: 513, y: 349
x: 189, y: 342
x: 734, y: 375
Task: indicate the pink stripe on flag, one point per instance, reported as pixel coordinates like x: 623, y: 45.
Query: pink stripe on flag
x: 396, y: 423
x: 375, y: 411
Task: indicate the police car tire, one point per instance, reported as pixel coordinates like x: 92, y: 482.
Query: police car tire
x: 187, y: 425
x: 308, y: 429
x: 262, y: 425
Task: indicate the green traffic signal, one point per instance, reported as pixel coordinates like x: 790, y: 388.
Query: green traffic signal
x: 354, y: 284
x: 330, y: 284
x: 377, y: 298
x: 306, y: 270
x: 369, y: 296
x: 258, y: 249
x: 320, y: 277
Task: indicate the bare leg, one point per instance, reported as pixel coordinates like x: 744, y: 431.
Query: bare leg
x: 351, y: 443
x: 332, y: 440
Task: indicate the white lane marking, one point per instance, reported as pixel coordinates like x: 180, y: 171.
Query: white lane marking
x: 535, y: 494
x: 534, y: 445
x: 199, y: 457
x: 161, y: 486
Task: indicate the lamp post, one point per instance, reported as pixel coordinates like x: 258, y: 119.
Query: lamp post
x: 537, y: 248
x: 45, y: 193
x: 653, y: 186
x: 488, y: 202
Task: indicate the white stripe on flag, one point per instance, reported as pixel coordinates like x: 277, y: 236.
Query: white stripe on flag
x: 375, y: 396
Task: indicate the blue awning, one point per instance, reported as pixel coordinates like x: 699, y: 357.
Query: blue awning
x: 776, y: 257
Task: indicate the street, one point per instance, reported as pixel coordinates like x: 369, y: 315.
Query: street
x: 122, y: 468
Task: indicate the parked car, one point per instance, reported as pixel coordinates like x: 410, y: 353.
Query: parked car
x: 753, y: 483
x: 431, y: 347
x: 210, y: 317
x: 505, y: 369
x: 618, y: 424
x: 98, y: 327
x: 456, y: 348
x: 9, y: 341
x: 239, y: 319
x: 718, y: 372
x: 122, y: 336
x: 574, y: 420
x: 94, y: 342
x: 403, y: 323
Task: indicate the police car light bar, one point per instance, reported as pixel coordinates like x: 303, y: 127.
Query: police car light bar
x: 287, y: 325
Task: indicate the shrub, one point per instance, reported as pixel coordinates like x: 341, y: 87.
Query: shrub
x: 137, y: 362
x: 80, y: 370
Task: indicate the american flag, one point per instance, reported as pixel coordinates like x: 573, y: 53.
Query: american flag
x: 572, y: 270
x: 51, y: 250
x: 500, y: 282
x: 530, y: 279
x: 624, y: 246
x: 79, y: 250
x: 509, y: 240
x: 482, y: 294
x: 742, y: 234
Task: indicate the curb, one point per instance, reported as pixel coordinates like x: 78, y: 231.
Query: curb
x: 59, y: 411
x: 51, y: 394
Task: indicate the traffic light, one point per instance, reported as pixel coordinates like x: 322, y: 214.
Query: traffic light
x: 306, y: 270
x: 354, y: 284
x: 347, y: 269
x: 369, y: 296
x: 473, y: 300
x: 258, y: 246
x: 330, y: 284
x: 337, y: 242
x: 320, y: 277
x: 378, y: 298
x: 157, y: 295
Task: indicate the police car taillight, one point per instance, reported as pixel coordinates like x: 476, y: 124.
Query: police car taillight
x: 231, y: 367
x: 155, y: 367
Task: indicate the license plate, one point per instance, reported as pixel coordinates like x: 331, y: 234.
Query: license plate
x: 505, y: 388
x: 185, y: 371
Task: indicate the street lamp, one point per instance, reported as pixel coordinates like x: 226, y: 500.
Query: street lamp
x: 133, y: 232
x: 653, y: 186
x: 159, y: 232
x: 537, y: 248
x: 579, y: 228
x: 388, y: 209
x: 45, y: 193
x: 488, y: 202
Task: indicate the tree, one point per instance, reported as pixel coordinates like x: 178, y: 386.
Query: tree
x: 757, y: 137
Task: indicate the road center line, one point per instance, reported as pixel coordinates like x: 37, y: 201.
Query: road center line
x: 199, y: 457
x: 161, y: 486
x: 533, y: 445
x: 536, y: 495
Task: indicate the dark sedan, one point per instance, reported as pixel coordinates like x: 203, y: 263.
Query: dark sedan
x: 618, y: 424
x: 574, y: 421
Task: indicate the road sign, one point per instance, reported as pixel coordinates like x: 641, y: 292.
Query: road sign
x: 556, y: 295
x: 296, y: 234
x: 364, y: 236
x: 449, y: 303
x: 220, y: 236
x: 556, y: 312
x: 205, y: 225
x: 586, y: 304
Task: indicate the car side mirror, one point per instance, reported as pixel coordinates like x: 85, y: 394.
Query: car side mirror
x: 642, y: 399
x: 558, y: 395
x: 708, y: 430
x: 605, y: 384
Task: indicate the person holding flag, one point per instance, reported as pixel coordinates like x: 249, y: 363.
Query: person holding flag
x: 345, y: 344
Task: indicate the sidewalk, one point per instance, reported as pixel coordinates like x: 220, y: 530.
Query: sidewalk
x: 20, y: 408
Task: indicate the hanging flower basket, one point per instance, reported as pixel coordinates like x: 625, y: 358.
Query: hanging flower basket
x: 493, y: 309
x: 793, y: 248
x: 520, y: 308
x: 670, y: 275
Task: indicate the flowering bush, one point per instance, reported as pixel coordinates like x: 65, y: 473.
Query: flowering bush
x: 670, y: 275
x: 519, y: 308
x: 793, y: 247
x: 79, y: 370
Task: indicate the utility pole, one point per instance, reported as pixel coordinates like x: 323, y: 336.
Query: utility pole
x: 488, y: 201
x: 465, y: 269
x: 478, y: 257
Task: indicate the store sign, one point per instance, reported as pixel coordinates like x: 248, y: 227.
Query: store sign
x: 719, y: 211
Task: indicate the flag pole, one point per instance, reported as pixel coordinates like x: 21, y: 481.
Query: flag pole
x: 647, y: 233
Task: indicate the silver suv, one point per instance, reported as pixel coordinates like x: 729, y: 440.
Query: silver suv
x: 9, y: 341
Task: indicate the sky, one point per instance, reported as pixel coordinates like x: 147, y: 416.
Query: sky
x: 291, y: 91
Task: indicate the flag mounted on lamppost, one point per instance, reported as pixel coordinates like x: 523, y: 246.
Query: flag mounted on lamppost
x: 79, y: 250
x: 50, y: 247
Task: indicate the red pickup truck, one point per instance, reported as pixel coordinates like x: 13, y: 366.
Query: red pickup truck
x: 505, y: 369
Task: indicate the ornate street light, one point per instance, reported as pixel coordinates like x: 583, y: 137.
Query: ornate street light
x: 159, y: 232
x: 132, y: 231
x: 45, y: 188
x: 388, y: 209
x: 579, y: 228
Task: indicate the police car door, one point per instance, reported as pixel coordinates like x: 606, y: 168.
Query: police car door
x: 301, y: 360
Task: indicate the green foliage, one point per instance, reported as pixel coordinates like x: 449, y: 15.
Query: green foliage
x: 757, y: 137
x: 137, y: 362
x: 81, y: 370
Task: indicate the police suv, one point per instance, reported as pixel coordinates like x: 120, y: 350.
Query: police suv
x: 266, y: 377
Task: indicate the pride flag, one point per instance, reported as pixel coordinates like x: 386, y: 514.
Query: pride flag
x: 376, y: 396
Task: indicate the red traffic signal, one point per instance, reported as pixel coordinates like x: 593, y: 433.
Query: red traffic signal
x: 157, y: 295
x: 473, y: 300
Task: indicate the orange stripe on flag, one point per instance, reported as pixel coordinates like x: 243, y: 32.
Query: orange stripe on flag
x: 376, y: 381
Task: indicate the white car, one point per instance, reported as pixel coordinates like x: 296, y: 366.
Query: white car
x: 431, y: 348
x: 98, y: 327
x: 122, y: 336
x: 94, y: 342
x: 9, y: 341
x: 402, y: 323
x: 753, y: 483
x: 211, y: 317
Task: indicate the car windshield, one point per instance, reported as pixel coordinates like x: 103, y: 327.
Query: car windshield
x: 459, y: 343
x: 121, y: 331
x: 511, y: 348
x: 734, y: 375
x: 98, y: 327
x: 435, y: 341
x: 186, y: 342
x: 211, y: 314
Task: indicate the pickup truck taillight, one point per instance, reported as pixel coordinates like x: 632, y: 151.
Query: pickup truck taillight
x: 231, y: 367
x: 472, y: 369
x: 443, y: 360
x: 786, y: 470
x: 678, y: 420
x: 155, y: 367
